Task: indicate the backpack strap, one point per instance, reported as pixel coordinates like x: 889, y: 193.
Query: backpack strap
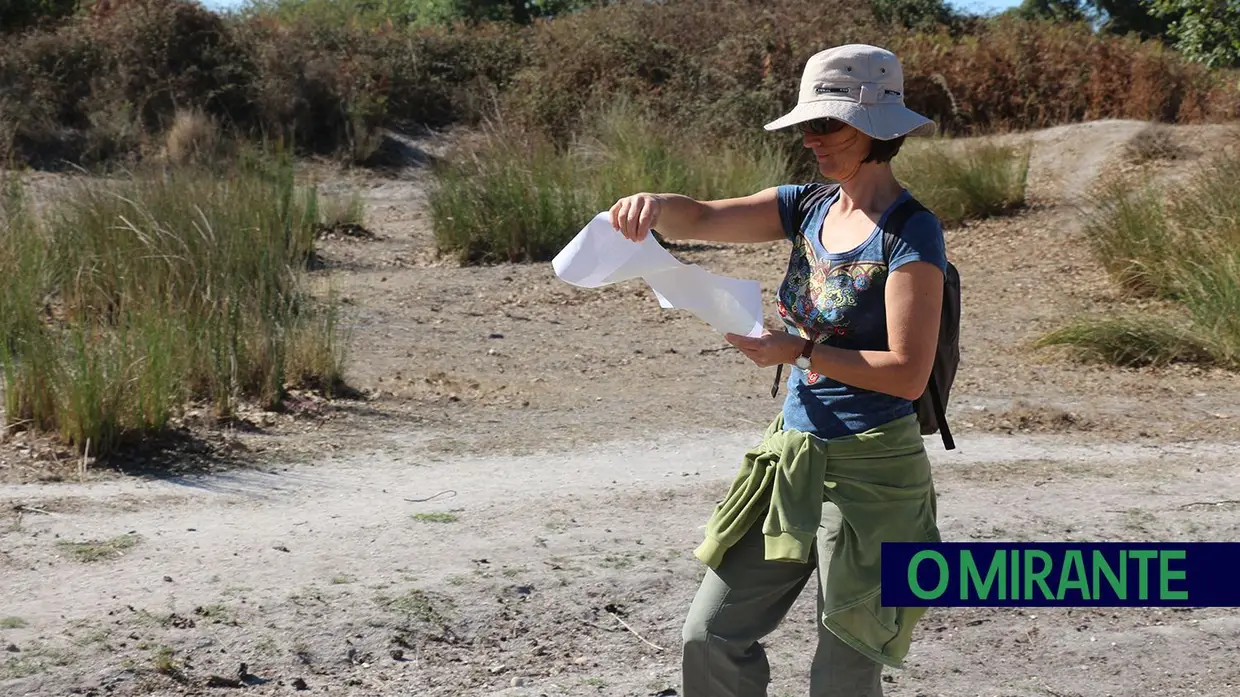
x: 940, y: 415
x: 892, y: 229
x: 894, y: 225
x: 815, y: 195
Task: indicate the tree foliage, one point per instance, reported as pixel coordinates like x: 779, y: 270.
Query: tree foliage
x: 519, y: 11
x: 1058, y: 10
x: 1207, y: 31
x: 16, y: 15
x: 913, y: 14
x: 1130, y: 17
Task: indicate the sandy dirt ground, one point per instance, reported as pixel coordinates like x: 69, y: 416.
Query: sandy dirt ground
x: 510, y: 505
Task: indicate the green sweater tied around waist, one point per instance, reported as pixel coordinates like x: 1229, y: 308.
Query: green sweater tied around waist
x: 881, y: 482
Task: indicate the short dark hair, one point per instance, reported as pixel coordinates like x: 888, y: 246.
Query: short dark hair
x: 883, y: 150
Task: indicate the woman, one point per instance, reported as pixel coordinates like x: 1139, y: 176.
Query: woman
x: 842, y: 468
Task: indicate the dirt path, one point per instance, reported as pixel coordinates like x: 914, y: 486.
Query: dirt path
x: 583, y: 437
x: 507, y: 580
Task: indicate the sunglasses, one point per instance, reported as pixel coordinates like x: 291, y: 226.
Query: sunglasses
x: 821, y: 127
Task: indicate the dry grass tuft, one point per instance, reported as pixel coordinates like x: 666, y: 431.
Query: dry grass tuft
x: 1155, y: 143
x: 193, y: 138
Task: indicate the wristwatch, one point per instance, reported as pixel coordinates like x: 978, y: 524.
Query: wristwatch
x: 802, y: 360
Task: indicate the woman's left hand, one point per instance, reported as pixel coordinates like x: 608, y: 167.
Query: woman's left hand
x: 770, y: 348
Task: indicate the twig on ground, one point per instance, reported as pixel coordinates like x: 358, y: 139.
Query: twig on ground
x: 432, y: 498
x: 598, y: 627
x: 21, y: 508
x: 1210, y: 503
x: 15, y: 425
x: 634, y: 631
x: 720, y: 349
x: 82, y: 464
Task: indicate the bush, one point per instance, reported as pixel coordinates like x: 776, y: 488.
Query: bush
x: 106, y: 86
x: 1178, y: 244
x: 331, y: 76
x: 725, y: 69
x: 99, y: 87
x: 331, y: 87
x: 17, y: 15
x: 1016, y: 75
x: 719, y: 69
x: 123, y: 303
x: 964, y: 183
x: 518, y: 197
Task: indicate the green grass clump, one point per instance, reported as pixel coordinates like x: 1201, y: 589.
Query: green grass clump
x: 1129, y: 230
x: 342, y: 210
x: 1130, y: 341
x: 518, y: 197
x: 515, y: 199
x: 1180, y: 245
x: 99, y: 550
x: 125, y: 301
x: 965, y: 183
x: 435, y: 517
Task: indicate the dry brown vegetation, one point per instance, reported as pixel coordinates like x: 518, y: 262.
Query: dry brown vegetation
x: 193, y: 138
x: 109, y: 84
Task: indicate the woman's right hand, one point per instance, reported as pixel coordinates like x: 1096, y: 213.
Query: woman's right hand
x: 635, y: 215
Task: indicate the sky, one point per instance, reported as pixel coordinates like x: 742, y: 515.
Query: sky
x: 982, y: 6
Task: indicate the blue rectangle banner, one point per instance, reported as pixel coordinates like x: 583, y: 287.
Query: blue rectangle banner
x: 1061, y: 574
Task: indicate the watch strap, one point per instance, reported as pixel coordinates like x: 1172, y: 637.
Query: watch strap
x: 806, y: 351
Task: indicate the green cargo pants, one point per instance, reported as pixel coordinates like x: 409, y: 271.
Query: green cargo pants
x: 743, y: 601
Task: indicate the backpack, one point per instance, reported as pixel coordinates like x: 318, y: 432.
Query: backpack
x: 931, y: 406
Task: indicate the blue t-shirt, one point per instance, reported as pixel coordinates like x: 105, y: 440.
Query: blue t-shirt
x: 839, y: 299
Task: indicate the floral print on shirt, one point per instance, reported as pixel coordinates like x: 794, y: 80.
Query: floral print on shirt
x: 816, y: 296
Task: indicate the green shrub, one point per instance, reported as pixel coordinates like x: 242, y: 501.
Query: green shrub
x: 123, y: 302
x: 518, y: 197
x: 962, y: 182
x: 1180, y: 244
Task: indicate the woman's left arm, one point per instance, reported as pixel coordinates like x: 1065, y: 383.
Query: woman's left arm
x: 914, y: 299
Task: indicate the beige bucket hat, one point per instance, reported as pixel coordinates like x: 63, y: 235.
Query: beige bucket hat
x: 860, y: 85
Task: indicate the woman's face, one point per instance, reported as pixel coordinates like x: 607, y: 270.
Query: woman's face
x: 838, y: 147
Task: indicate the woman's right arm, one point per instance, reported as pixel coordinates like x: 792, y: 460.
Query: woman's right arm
x: 753, y: 218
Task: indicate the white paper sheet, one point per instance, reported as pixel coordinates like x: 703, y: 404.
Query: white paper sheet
x: 600, y: 255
